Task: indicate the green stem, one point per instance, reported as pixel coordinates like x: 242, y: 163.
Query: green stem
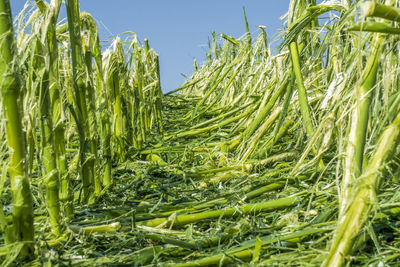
x: 372, y: 26
x: 256, y: 208
x: 105, y: 136
x: 47, y: 146
x: 10, y: 89
x: 373, y: 9
x: 79, y: 86
x: 246, y: 249
x: 359, y: 123
x: 253, y: 143
x: 195, y: 132
x: 304, y: 108
x: 89, y: 28
x: 264, y: 110
x: 49, y: 85
x: 66, y: 194
x: 159, y: 97
x: 363, y: 196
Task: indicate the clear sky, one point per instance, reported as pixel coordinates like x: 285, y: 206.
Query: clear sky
x: 178, y: 30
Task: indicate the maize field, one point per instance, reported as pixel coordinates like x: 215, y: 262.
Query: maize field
x: 285, y: 157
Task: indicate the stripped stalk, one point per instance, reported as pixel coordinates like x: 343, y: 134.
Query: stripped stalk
x: 47, y: 141
x: 264, y: 110
x: 195, y: 132
x: 295, y: 12
x: 66, y: 194
x: 104, y: 117
x: 86, y: 170
x: 260, y: 133
x: 159, y: 97
x: 10, y: 90
x: 184, y: 219
x: 45, y: 62
x: 372, y: 26
x: 387, y: 11
x: 363, y: 196
x: 304, y: 108
x: 359, y: 122
x: 89, y: 38
x: 246, y: 250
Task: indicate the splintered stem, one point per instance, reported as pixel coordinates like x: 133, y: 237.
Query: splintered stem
x: 359, y: 122
x: 10, y: 89
x: 363, y: 196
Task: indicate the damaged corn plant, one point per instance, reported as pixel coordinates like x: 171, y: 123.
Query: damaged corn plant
x: 261, y: 158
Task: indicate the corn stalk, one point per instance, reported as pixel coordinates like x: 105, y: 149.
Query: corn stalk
x: 10, y: 90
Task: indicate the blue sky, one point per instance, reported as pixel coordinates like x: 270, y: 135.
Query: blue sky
x: 178, y: 30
